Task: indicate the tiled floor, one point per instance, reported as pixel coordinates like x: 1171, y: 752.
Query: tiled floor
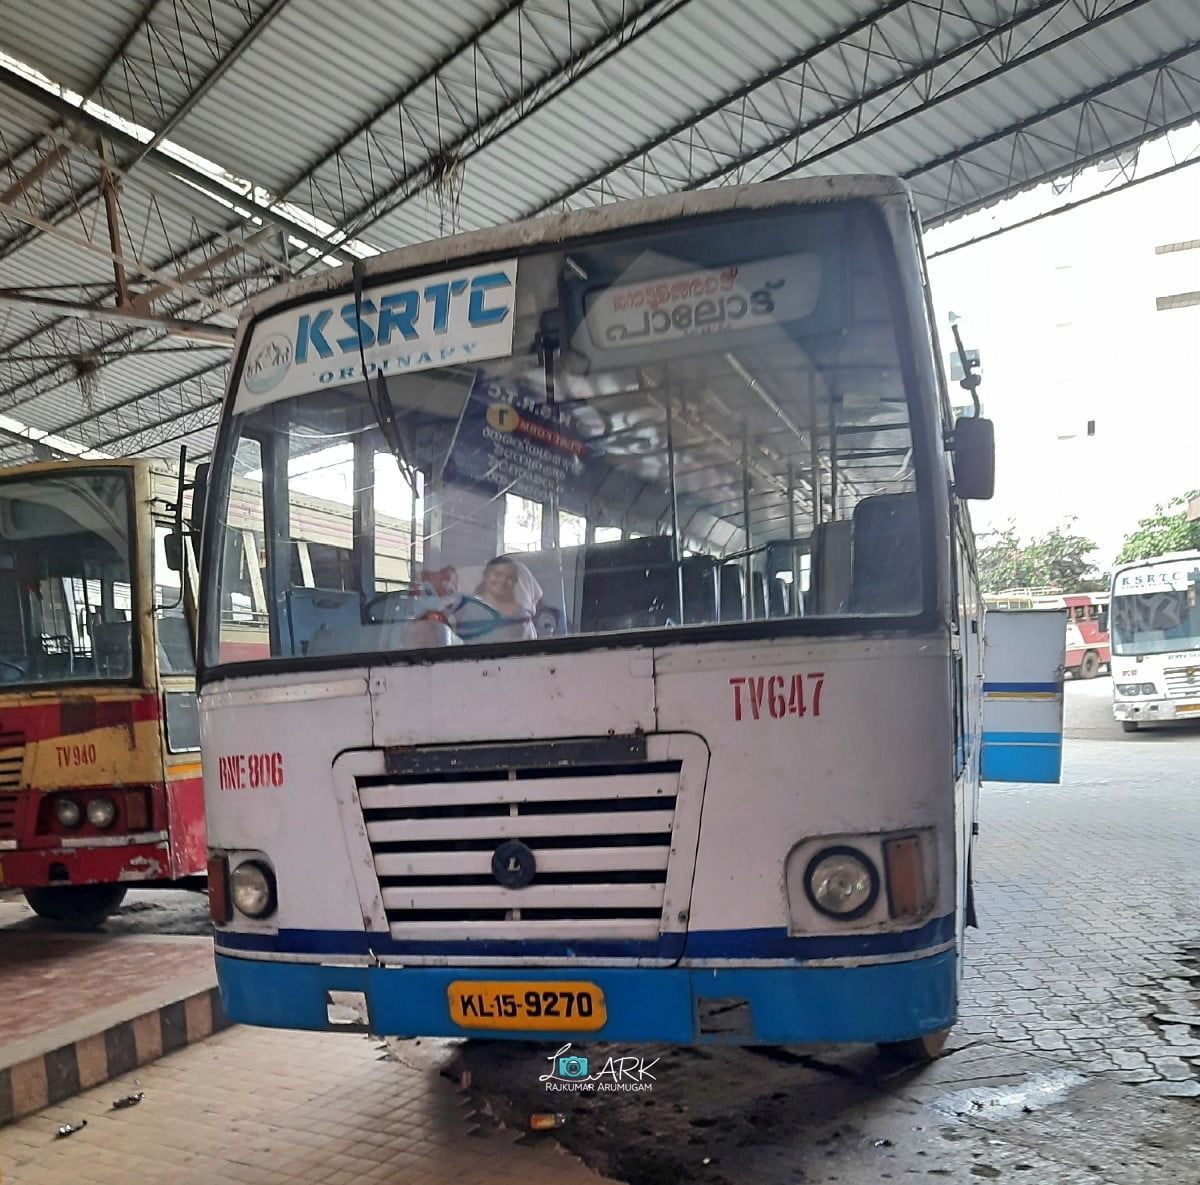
x: 276, y: 1108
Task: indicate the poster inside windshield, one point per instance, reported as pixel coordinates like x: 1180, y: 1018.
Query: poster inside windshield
x: 511, y: 439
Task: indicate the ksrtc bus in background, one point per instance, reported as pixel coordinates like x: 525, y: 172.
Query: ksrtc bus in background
x: 1156, y: 640
x: 100, y: 782
x: 1087, y: 642
x: 670, y: 728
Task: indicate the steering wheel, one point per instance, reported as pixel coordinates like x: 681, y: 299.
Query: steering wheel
x: 480, y: 618
x: 12, y: 666
x: 475, y: 627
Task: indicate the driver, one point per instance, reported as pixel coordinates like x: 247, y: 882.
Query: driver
x: 509, y: 588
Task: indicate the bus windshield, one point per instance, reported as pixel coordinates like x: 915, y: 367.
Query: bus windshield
x: 65, y: 578
x: 1156, y: 609
x: 702, y: 424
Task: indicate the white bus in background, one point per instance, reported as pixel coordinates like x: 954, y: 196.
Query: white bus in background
x: 717, y: 781
x: 1155, y: 634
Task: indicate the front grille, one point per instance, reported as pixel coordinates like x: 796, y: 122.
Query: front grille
x: 12, y: 760
x: 601, y: 836
x: 1183, y: 683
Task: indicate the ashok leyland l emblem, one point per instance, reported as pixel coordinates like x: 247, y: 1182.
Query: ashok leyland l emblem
x: 513, y: 864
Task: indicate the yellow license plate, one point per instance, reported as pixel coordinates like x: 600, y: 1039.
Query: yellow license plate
x: 514, y: 1004
x: 1188, y: 708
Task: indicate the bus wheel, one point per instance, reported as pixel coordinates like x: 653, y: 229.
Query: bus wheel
x: 1129, y: 726
x: 82, y: 907
x: 919, y: 1051
x: 1090, y: 667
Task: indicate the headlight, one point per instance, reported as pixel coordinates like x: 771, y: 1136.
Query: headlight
x: 101, y: 812
x: 1135, y: 688
x: 67, y: 812
x: 1149, y: 689
x: 252, y: 887
x: 842, y: 883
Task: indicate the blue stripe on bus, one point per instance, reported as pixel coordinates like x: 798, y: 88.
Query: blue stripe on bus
x: 1021, y: 762
x: 760, y: 943
x: 1053, y: 688
x: 787, y: 1005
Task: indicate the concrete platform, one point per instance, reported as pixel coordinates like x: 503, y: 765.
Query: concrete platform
x: 77, y: 1010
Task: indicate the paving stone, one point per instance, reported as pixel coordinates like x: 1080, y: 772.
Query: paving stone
x: 1088, y: 957
x: 1172, y: 1069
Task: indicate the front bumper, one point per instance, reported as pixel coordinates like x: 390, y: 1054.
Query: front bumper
x: 878, y: 1002
x: 1156, y: 711
x: 36, y: 868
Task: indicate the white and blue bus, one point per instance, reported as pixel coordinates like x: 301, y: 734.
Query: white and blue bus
x: 1156, y: 640
x: 666, y: 723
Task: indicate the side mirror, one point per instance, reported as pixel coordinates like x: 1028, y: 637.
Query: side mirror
x: 974, y: 448
x: 173, y: 550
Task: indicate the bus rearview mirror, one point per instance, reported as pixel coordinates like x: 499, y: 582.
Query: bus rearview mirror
x: 173, y: 551
x: 974, y: 448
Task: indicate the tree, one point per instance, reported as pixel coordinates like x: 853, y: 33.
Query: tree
x: 1166, y: 530
x: 1058, y: 559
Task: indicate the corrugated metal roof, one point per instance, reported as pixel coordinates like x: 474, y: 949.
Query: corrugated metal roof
x: 72, y: 43
x: 350, y: 114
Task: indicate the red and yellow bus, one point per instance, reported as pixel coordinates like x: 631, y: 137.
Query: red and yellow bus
x: 100, y: 782
x: 1087, y: 644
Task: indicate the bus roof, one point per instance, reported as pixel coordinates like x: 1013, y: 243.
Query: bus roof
x: 64, y: 464
x: 1170, y: 557
x: 552, y: 228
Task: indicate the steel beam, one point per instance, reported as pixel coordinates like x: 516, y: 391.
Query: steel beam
x: 174, y: 326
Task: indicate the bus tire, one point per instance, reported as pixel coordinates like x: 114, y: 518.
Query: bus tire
x: 1129, y: 726
x: 919, y: 1051
x: 81, y: 907
x: 1090, y: 667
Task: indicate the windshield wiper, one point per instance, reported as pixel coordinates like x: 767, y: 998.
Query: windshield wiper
x: 377, y: 394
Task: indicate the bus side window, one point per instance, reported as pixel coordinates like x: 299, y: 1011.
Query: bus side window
x: 175, y: 650
x: 175, y: 645
x: 183, y: 721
